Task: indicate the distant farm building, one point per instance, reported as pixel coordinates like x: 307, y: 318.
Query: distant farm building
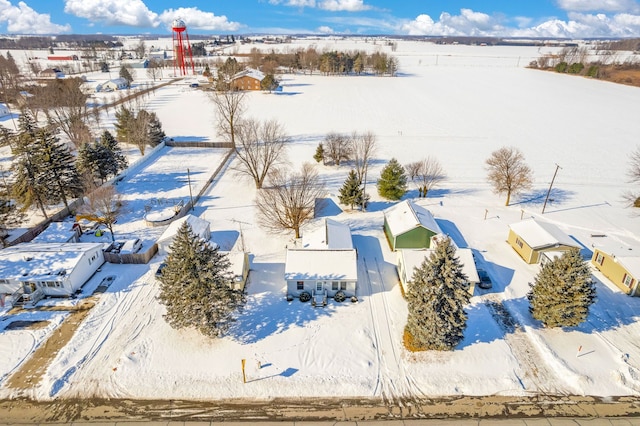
x: 4, y: 110
x: 408, y: 225
x: 51, y: 73
x: 248, y: 79
x: 530, y: 238
x: 62, y: 57
x: 621, y: 266
x: 111, y: 85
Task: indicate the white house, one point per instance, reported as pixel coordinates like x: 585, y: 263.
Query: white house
x: 59, y: 232
x: 410, y: 259
x: 111, y: 85
x: 326, y: 265
x: 199, y: 227
x: 48, y: 269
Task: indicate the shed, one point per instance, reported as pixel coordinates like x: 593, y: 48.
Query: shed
x: 530, y: 237
x: 410, y: 259
x: 199, y: 227
x: 621, y: 265
x: 59, y: 232
x: 35, y: 270
x: 408, y: 225
x: 111, y: 85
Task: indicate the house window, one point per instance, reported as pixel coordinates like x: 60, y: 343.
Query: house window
x: 519, y: 242
x: 599, y: 259
x: 343, y: 285
x: 300, y: 285
x: 334, y: 285
x: 628, y: 280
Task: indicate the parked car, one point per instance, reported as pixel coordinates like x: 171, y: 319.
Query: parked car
x: 485, y: 279
x: 131, y: 246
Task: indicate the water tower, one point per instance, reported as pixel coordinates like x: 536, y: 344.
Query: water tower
x: 182, y: 56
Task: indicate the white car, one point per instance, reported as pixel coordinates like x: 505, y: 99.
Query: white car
x: 131, y: 246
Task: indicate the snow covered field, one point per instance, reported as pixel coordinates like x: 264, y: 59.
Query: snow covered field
x: 457, y: 103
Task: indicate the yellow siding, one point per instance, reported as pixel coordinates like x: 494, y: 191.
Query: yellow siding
x: 522, y: 248
x: 613, y: 270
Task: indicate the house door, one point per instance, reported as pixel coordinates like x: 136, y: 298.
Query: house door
x: 319, y: 286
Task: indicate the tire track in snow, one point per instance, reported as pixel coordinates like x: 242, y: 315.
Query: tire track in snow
x: 112, y: 316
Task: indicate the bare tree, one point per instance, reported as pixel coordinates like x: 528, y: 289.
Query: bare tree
x: 260, y: 148
x: 634, y: 177
x: 363, y: 148
x: 426, y: 174
x: 103, y: 206
x: 289, y: 201
x: 154, y: 69
x: 508, y: 172
x: 337, y: 148
x: 229, y: 105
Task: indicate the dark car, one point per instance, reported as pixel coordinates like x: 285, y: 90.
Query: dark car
x: 485, y: 279
x: 160, y: 268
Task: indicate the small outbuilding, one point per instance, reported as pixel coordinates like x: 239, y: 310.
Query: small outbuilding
x: 621, y: 266
x: 59, y: 232
x: 239, y: 261
x: 199, y: 227
x: 531, y: 237
x: 408, y: 225
x: 111, y: 85
x: 30, y: 271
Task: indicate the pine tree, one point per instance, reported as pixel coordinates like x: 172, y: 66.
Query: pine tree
x: 124, y: 118
x: 154, y: 130
x: 436, y: 299
x: 10, y: 215
x: 393, y: 181
x: 563, y: 291
x: 28, y: 188
x: 351, y: 192
x: 58, y: 170
x: 319, y: 155
x: 116, y: 161
x: 194, y: 286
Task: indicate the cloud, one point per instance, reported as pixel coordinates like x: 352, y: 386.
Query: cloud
x: 198, y: 19
x: 622, y: 6
x: 330, y: 5
x: 22, y: 19
x: 578, y: 25
x: 325, y: 30
x: 133, y: 13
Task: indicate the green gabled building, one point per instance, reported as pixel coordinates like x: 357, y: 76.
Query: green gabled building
x: 409, y: 226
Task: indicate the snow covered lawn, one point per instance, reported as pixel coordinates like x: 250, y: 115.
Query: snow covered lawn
x: 456, y: 110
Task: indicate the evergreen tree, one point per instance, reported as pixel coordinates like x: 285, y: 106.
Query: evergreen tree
x: 88, y: 163
x: 269, y: 83
x: 116, y: 161
x: 124, y: 118
x: 101, y: 159
x: 126, y: 74
x: 393, y: 181
x: 28, y: 186
x: 436, y: 299
x: 352, y: 192
x: 10, y: 215
x: 194, y: 286
x: 563, y: 291
x: 319, y: 155
x: 58, y: 170
x: 154, y: 130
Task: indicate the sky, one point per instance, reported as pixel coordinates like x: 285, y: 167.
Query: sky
x: 501, y: 18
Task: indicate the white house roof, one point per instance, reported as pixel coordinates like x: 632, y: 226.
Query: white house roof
x: 539, y: 234
x: 413, y: 258
x: 332, y: 235
x: 42, y: 260
x: 56, y: 232
x: 236, y: 260
x: 626, y: 254
x: 408, y: 215
x: 249, y: 72
x: 321, y: 265
x: 199, y: 227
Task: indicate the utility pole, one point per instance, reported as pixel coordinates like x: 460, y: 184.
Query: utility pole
x: 550, y: 185
x: 364, y: 190
x: 190, y: 194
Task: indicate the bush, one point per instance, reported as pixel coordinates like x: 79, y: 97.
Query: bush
x: 593, y: 71
x: 576, y: 68
x: 561, y: 67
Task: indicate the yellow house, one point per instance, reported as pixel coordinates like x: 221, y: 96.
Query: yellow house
x: 530, y: 238
x: 623, y: 271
